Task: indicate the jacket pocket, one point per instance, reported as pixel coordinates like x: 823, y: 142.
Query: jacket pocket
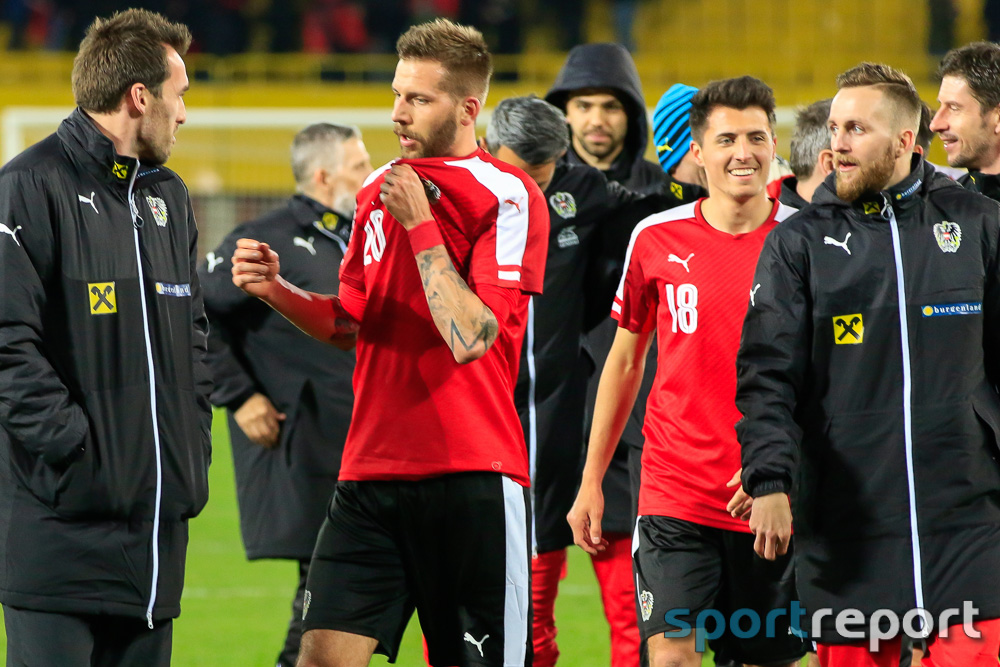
x: 185, y: 450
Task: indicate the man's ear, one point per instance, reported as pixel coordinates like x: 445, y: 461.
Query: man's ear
x: 696, y: 153
x: 471, y: 106
x: 905, y: 141
x: 825, y: 162
x: 138, y: 99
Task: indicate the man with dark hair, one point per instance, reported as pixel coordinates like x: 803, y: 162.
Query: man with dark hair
x: 968, y: 120
x: 431, y: 510
x: 105, y: 420
x: 598, y: 89
x: 687, y: 279
x: 288, y: 398
x: 861, y: 301
x: 590, y: 222
x: 810, y: 156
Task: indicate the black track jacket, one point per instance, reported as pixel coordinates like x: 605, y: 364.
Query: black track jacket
x: 104, y: 412
x: 283, y: 492
x: 867, y: 379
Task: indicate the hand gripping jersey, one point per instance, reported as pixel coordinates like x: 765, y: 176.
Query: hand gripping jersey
x: 418, y: 413
x: 691, y: 283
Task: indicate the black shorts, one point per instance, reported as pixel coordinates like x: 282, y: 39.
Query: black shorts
x: 683, y: 569
x: 454, y: 547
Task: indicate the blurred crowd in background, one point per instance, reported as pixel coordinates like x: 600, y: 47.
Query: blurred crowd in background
x: 224, y: 27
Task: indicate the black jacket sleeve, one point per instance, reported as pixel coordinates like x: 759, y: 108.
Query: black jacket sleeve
x: 771, y: 367
x: 233, y: 383
x: 37, y: 409
x: 202, y: 372
x: 991, y: 298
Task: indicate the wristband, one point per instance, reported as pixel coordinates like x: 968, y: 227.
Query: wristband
x: 425, y: 235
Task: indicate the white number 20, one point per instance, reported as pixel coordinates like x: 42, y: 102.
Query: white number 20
x: 683, y: 307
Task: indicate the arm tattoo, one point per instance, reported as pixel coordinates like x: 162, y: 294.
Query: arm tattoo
x: 464, y: 322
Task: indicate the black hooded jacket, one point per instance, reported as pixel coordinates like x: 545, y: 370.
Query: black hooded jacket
x: 984, y: 184
x: 282, y: 491
x: 104, y: 412
x: 879, y: 413
x: 610, y: 66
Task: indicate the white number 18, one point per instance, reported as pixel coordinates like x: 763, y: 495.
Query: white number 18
x: 683, y: 307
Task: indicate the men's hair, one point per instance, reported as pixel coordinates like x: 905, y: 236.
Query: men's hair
x: 895, y: 86
x: 978, y: 64
x: 126, y: 49
x: 318, y: 146
x: 811, y: 137
x: 924, y: 133
x: 739, y: 93
x: 531, y: 127
x: 460, y: 49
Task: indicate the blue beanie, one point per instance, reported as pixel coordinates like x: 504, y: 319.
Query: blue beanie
x: 671, y: 129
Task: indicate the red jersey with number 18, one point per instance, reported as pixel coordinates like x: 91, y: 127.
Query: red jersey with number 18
x: 691, y: 283
x: 417, y: 412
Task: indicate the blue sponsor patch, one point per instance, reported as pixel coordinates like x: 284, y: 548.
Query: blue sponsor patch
x: 972, y: 308
x: 169, y: 289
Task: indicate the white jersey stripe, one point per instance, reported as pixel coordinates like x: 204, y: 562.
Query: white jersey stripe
x: 518, y: 593
x: 375, y: 174
x: 679, y: 213
x: 512, y: 211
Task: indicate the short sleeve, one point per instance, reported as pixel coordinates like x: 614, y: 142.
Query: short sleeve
x: 512, y: 252
x: 635, y: 301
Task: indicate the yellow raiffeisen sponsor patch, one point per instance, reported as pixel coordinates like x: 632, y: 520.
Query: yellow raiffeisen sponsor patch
x: 872, y: 207
x: 848, y: 329
x: 677, y: 190
x: 102, y: 298
x: 120, y: 170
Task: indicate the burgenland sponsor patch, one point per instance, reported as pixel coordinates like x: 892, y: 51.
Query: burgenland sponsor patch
x: 941, y: 309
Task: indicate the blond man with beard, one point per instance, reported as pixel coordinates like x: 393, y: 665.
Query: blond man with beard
x: 866, y: 379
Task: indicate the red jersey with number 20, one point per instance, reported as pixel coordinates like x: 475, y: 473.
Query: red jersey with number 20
x: 691, y: 283
x: 417, y: 412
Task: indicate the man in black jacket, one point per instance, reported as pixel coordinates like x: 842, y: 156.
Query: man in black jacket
x: 105, y: 419
x: 591, y: 220
x: 968, y: 120
x: 288, y: 398
x: 867, y: 380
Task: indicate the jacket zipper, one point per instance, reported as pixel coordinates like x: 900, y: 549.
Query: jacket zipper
x: 137, y: 222
x: 890, y: 215
x: 532, y: 418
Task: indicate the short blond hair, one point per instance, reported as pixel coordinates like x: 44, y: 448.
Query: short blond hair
x: 460, y: 49
x: 897, y: 87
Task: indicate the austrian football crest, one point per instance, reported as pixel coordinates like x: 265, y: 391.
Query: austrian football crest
x: 159, y: 209
x: 646, y: 604
x: 563, y: 204
x: 948, y: 235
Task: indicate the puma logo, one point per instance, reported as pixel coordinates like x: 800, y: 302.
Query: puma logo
x: 304, y: 243
x: 7, y: 230
x: 85, y: 200
x: 479, y: 645
x: 753, y: 292
x: 213, y: 261
x: 513, y: 203
x: 842, y: 244
x: 678, y: 260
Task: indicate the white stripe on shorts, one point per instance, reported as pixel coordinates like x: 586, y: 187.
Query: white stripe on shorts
x: 516, y: 599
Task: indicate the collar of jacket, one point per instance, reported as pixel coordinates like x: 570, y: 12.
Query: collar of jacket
x: 901, y: 196
x: 619, y: 171
x: 309, y: 214
x: 790, y: 196
x: 95, y: 153
x: 987, y: 184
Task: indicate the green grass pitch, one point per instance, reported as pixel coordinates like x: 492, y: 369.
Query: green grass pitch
x: 234, y: 613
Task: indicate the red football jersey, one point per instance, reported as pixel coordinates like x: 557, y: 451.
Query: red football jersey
x: 691, y: 283
x: 418, y: 413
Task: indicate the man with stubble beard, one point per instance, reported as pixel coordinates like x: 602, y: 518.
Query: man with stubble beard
x: 867, y: 379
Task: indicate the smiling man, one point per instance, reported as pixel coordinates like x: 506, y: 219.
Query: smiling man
x: 968, y: 120
x: 867, y: 380
x: 431, y: 510
x: 687, y: 279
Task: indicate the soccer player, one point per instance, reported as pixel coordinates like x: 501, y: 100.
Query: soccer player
x: 968, y: 120
x: 105, y: 421
x: 809, y: 155
x: 867, y: 380
x: 687, y: 279
x: 289, y: 398
x: 431, y: 511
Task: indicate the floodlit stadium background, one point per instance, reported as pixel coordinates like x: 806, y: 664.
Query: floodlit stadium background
x: 233, y: 154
